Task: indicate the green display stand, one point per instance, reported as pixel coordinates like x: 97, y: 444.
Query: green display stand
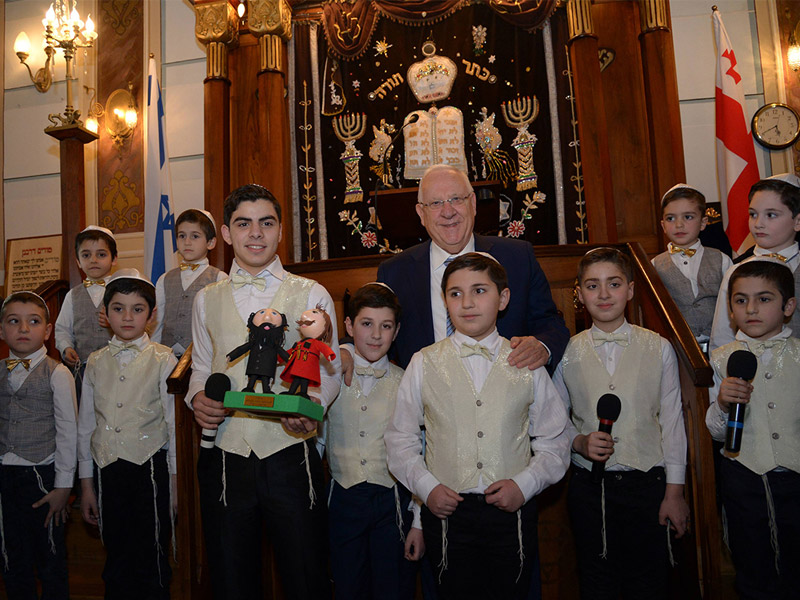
x: 274, y: 405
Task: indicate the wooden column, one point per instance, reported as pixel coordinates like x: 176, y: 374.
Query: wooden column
x: 72, y: 139
x: 661, y: 93
x: 217, y: 26
x: 270, y: 22
x: 592, y: 127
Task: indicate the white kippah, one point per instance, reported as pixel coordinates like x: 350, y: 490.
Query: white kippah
x: 210, y: 218
x: 379, y: 283
x: 788, y: 178
x: 130, y: 274
x: 678, y: 186
x: 13, y: 297
x: 103, y: 229
x: 487, y: 255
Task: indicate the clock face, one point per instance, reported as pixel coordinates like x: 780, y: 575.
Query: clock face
x: 776, y: 126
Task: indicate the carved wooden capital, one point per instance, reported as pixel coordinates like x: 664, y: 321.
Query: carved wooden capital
x: 579, y: 19
x: 270, y: 17
x: 216, y: 60
x: 216, y: 21
x: 653, y: 14
x: 270, y: 50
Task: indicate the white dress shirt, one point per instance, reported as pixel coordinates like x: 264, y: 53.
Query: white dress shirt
x: 670, y: 416
x: 65, y: 335
x: 546, y: 415
x: 65, y: 410
x: 249, y: 299
x: 723, y: 330
x: 87, y: 420
x: 187, y: 278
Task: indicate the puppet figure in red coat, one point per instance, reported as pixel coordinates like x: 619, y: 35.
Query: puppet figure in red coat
x: 302, y: 368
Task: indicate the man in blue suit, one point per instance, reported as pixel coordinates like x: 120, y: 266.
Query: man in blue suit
x: 446, y: 208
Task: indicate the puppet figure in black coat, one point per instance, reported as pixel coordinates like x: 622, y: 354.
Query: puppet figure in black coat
x: 265, y: 344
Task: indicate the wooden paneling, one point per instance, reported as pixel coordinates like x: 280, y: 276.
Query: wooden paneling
x: 217, y: 148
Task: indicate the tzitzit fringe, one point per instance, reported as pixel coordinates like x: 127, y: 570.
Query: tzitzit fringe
x: 669, y: 547
x: 3, y: 536
x: 773, y: 524
x: 312, y: 495
x: 398, y: 513
x: 172, y: 517
x: 223, y: 496
x: 725, y: 538
x: 604, y: 553
x: 443, y: 563
x: 159, y: 550
x: 100, y: 504
x: 330, y: 493
x: 521, y: 551
x: 49, y: 525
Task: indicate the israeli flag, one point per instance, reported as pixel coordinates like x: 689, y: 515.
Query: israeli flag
x: 159, y: 223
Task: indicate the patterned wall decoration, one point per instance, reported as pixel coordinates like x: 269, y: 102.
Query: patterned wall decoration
x: 788, y: 19
x: 497, y: 63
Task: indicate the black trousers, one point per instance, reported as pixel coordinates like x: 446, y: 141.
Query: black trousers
x: 483, y: 558
x: 745, y: 500
x: 26, y: 540
x: 636, y: 562
x: 136, y: 566
x: 274, y: 492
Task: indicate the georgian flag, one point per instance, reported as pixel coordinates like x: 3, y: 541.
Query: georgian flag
x: 159, y: 223
x: 737, y: 169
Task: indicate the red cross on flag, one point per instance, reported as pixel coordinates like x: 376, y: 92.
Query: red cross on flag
x: 737, y: 168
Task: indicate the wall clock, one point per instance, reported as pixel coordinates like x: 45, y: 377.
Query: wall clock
x: 776, y: 126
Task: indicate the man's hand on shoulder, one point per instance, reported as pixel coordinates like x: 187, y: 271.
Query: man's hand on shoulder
x: 527, y: 352
x: 207, y: 412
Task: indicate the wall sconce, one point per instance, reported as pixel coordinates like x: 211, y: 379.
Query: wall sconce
x: 120, y: 115
x: 44, y: 77
x: 793, y: 54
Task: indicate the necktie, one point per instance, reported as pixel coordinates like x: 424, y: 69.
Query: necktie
x: 475, y: 349
x: 687, y: 251
x: 13, y: 362
x: 116, y: 347
x: 758, y: 347
x: 370, y: 372
x: 450, y: 327
x: 601, y: 338
x: 192, y: 266
x: 238, y: 281
x: 780, y: 257
x: 90, y: 282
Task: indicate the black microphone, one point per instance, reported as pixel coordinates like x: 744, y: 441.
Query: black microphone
x: 385, y: 159
x: 742, y: 364
x: 216, y: 386
x: 608, y: 409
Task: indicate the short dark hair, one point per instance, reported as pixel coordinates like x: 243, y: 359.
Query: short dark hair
x: 476, y: 261
x: 373, y: 295
x: 605, y: 254
x: 788, y: 193
x: 250, y: 192
x: 26, y: 297
x: 96, y: 235
x: 772, y: 272
x: 198, y: 218
x: 129, y: 285
x: 689, y: 193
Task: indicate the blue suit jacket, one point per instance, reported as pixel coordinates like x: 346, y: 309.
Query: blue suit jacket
x: 531, y: 310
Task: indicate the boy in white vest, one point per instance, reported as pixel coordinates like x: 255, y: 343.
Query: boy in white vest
x: 621, y: 524
x: 260, y: 470
x: 495, y: 438
x: 691, y: 272
x: 38, y: 437
x: 365, y: 503
x: 774, y: 222
x: 126, y: 426
x: 196, y: 236
x: 760, y: 486
x: 80, y: 329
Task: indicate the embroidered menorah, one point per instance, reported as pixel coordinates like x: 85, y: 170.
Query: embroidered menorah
x: 519, y: 114
x: 348, y: 128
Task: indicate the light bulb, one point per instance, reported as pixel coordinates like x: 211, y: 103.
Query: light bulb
x: 91, y: 124
x: 50, y: 15
x: 22, y: 44
x: 240, y: 10
x: 793, y: 57
x: 89, y: 25
x: 131, y: 117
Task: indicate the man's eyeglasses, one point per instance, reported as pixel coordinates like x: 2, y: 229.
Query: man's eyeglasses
x: 437, y: 205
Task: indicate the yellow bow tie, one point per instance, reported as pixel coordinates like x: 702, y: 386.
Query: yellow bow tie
x: 238, y: 281
x: 601, y: 338
x: 13, y: 362
x: 473, y: 349
x: 192, y: 266
x: 90, y: 282
x: 780, y: 257
x: 759, y: 347
x: 686, y: 251
x: 116, y: 347
x: 370, y: 372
